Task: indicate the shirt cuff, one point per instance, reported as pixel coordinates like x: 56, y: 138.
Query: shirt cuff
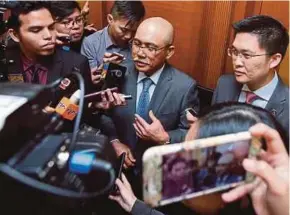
x: 140, y: 208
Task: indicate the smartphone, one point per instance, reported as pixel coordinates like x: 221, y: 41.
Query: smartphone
x: 113, y: 75
x: 192, y: 112
x: 96, y: 97
x: 119, y: 169
x: 176, y: 172
x: 66, y: 39
x: 127, y: 97
x: 121, y: 57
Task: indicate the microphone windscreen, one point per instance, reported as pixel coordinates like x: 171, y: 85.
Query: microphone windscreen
x: 67, y: 109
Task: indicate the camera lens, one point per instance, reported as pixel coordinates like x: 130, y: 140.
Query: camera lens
x: 117, y: 73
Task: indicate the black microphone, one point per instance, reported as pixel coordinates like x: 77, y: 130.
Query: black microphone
x: 66, y: 88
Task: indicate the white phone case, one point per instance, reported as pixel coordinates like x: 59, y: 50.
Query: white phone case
x: 154, y: 176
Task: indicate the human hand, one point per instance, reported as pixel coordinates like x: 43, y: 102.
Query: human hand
x: 60, y: 41
x: 190, y: 118
x: 49, y: 109
x: 110, y: 99
x: 90, y: 27
x: 86, y: 9
x: 121, y: 148
x: 153, y: 131
x: 113, y: 58
x: 270, y: 190
x: 96, y: 74
x: 126, y: 197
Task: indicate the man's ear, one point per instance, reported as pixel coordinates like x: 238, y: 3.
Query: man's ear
x: 14, y: 35
x: 170, y: 52
x: 110, y: 18
x: 275, y: 60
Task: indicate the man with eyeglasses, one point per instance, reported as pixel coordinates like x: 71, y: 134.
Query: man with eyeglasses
x: 156, y: 115
x: 70, y: 24
x: 259, y: 45
x: 35, y: 56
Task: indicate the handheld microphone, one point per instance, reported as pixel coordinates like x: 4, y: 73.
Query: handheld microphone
x: 68, y: 108
x: 67, y: 86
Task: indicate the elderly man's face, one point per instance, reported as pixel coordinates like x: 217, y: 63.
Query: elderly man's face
x: 149, y: 49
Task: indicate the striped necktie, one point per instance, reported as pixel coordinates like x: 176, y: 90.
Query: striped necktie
x: 144, y: 99
x: 251, y: 97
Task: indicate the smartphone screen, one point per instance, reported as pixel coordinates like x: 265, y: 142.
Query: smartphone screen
x: 185, y: 170
x: 203, y: 170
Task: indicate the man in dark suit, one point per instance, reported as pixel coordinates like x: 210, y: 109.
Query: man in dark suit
x: 34, y: 58
x: 259, y: 46
x: 161, y: 93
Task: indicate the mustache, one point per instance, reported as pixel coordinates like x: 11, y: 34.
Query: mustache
x: 136, y: 60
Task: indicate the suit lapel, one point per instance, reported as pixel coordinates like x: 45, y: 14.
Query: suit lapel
x: 160, y: 92
x: 131, y: 89
x: 278, y: 98
x: 55, y: 67
x: 235, y: 91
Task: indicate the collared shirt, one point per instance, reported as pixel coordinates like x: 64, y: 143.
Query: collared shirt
x: 264, y: 92
x: 31, y: 69
x: 155, y: 77
x: 96, y: 45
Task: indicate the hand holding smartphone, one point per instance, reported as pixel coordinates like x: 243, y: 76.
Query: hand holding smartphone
x: 192, y: 112
x: 120, y: 56
x: 113, y: 57
x: 119, y: 169
x: 181, y: 171
x: 191, y: 115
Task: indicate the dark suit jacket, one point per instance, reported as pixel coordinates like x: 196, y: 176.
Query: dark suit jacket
x: 228, y: 89
x: 59, y: 64
x: 175, y: 91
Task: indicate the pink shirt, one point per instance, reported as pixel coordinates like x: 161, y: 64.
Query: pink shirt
x: 36, y: 71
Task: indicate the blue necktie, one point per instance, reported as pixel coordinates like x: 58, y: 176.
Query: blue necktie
x: 144, y: 99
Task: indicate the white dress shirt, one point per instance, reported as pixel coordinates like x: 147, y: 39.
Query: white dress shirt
x: 264, y: 92
x: 155, y: 77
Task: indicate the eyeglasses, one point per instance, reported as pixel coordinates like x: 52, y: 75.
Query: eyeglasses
x: 148, y: 49
x: 69, y: 23
x: 233, y: 53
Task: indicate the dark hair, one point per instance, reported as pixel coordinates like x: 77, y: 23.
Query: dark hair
x: 272, y: 35
x: 134, y: 11
x: 62, y: 9
x: 232, y: 117
x: 175, y: 160
x: 24, y: 7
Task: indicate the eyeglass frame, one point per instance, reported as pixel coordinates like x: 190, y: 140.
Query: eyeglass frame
x: 241, y: 55
x: 70, y: 21
x: 155, y: 49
